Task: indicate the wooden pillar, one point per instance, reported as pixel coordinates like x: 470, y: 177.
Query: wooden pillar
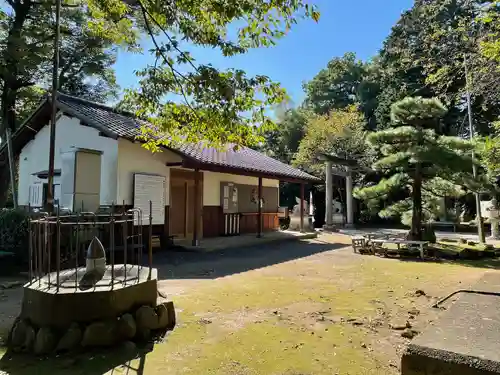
x: 329, y: 195
x: 196, y: 218
x: 259, y: 205
x: 302, y: 194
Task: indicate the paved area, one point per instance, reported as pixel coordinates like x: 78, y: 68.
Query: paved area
x: 465, y: 340
x: 244, y: 240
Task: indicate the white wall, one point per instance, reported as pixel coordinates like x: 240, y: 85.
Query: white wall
x: 211, y: 185
x: 133, y: 158
x: 69, y: 135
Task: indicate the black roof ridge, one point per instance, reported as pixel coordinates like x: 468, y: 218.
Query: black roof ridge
x: 98, y: 105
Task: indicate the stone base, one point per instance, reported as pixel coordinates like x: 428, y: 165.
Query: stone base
x: 45, y: 305
x: 464, y: 341
x: 330, y: 228
x: 140, y: 325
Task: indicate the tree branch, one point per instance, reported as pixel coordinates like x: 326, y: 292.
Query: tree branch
x: 165, y: 59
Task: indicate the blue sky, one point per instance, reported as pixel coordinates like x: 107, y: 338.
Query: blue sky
x: 359, y: 26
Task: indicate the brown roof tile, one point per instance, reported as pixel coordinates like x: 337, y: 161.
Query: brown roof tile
x: 124, y: 125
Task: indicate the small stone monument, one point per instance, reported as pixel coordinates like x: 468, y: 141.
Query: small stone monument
x: 96, y: 256
x: 494, y: 214
x: 295, y: 216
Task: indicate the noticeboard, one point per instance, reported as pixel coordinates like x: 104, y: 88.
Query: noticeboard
x: 150, y: 188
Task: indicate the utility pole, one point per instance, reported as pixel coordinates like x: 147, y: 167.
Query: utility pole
x: 10, y: 155
x: 52, y: 145
x: 480, y: 227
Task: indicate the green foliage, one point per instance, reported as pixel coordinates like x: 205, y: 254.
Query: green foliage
x: 26, y: 53
x: 283, y: 141
x: 424, y: 56
x: 490, y: 45
x: 344, y: 82
x: 194, y: 101
x: 340, y: 133
x: 14, y: 232
x: 413, y: 157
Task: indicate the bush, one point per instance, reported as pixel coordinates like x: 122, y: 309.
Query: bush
x: 14, y: 233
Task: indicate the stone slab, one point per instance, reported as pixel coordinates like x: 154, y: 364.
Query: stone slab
x: 246, y: 240
x: 464, y: 340
x: 43, y: 305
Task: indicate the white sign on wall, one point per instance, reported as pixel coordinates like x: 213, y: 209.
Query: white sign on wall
x: 36, y: 195
x: 150, y: 188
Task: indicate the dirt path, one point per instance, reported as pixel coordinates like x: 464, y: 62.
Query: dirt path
x: 310, y: 307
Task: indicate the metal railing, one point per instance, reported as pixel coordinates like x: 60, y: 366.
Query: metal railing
x: 58, y: 246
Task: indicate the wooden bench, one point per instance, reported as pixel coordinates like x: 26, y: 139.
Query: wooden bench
x: 445, y: 224
x: 419, y: 244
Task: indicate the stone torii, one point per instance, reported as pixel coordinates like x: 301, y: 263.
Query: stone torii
x: 349, y: 165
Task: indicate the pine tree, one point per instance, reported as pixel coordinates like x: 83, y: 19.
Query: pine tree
x: 415, y: 158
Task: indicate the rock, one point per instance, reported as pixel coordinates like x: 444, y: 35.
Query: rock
x: 100, y: 334
x: 128, y: 347
x: 29, y: 339
x: 144, y: 334
x: 18, y: 333
x: 419, y: 293
x: 471, y: 243
x: 166, y: 315
x: 45, y: 341
x: 400, y: 326
x: 363, y: 345
x: 414, y: 312
x: 409, y: 333
x: 146, y: 317
x: 355, y: 321
x: 71, y: 339
x: 127, y: 327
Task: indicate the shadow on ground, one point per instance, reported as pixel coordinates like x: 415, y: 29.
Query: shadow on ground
x: 118, y: 361
x: 211, y: 265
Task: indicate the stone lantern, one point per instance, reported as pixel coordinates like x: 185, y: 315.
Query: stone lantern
x: 494, y: 218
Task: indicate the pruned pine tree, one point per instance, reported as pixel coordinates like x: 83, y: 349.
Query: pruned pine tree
x: 415, y: 158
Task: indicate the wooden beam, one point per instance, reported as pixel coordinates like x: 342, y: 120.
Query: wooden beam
x: 302, y: 194
x: 176, y: 164
x: 196, y: 210
x: 259, y: 216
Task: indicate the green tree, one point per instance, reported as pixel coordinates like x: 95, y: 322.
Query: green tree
x: 283, y: 142
x: 194, y: 101
x: 26, y: 53
x: 344, y: 82
x: 340, y: 133
x: 424, y: 56
x: 415, y: 157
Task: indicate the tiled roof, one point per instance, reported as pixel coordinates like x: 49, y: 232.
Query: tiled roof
x: 124, y: 125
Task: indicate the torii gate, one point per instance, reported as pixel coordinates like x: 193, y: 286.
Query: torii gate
x: 349, y: 165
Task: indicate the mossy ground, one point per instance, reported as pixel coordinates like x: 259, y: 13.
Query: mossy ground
x: 328, y: 313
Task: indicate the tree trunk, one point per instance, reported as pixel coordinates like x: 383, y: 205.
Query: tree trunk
x: 4, y: 185
x: 11, y: 85
x: 416, y: 221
